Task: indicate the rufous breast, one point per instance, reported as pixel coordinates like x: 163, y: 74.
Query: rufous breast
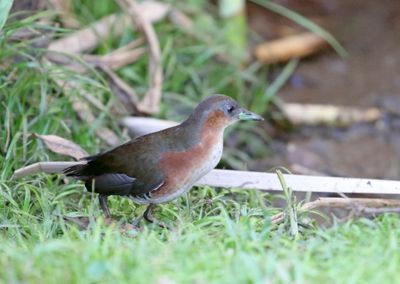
x: 183, y: 169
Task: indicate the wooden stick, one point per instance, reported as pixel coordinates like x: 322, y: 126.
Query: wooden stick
x: 379, y: 205
x: 339, y: 202
x: 260, y: 180
x: 296, y: 46
x: 270, y: 182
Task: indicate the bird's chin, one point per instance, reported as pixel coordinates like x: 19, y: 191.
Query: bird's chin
x: 232, y: 121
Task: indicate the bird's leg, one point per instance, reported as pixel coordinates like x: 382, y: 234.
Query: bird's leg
x: 148, y: 216
x: 142, y: 216
x: 104, y: 206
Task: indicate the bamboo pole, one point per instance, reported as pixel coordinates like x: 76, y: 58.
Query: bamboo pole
x: 260, y: 180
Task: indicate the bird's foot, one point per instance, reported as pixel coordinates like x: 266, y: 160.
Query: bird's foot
x: 148, y: 216
x: 104, y: 205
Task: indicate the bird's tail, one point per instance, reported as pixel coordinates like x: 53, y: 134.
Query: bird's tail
x: 76, y: 171
x: 87, y: 170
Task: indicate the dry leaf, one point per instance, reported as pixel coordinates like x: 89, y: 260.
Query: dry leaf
x: 62, y: 146
x: 294, y: 46
x: 153, y: 11
x: 117, y: 58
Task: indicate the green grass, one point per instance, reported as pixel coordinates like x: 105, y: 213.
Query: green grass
x: 222, y: 236
x: 228, y: 251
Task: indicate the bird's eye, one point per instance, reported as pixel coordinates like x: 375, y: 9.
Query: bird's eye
x: 230, y: 108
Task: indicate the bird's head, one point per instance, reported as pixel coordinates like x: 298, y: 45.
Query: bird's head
x: 220, y: 110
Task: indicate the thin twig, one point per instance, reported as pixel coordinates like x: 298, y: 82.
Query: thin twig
x: 151, y: 101
x: 122, y: 90
x: 364, y: 205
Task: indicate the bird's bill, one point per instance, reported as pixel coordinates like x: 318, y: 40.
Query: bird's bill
x: 244, y: 114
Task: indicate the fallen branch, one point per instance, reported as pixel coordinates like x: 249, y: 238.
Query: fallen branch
x: 61, y: 146
x: 261, y: 181
x: 295, y: 46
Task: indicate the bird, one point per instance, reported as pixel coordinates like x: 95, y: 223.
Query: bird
x: 161, y: 166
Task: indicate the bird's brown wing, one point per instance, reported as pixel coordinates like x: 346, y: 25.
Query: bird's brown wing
x: 130, y: 169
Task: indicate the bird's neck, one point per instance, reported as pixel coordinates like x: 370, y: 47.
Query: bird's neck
x: 198, y: 127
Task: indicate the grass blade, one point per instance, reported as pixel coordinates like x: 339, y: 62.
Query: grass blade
x: 278, y: 83
x: 290, y: 209
x: 296, y: 17
x: 5, y: 7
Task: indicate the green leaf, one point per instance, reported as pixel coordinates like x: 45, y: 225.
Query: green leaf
x: 5, y: 7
